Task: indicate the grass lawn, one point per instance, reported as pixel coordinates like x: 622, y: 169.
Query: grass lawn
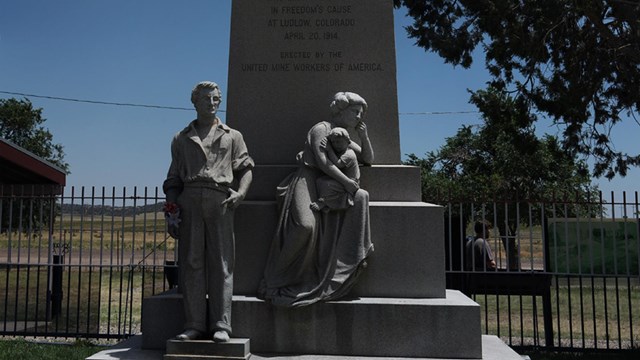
x: 596, y: 314
x: 24, y: 350
x: 95, y: 300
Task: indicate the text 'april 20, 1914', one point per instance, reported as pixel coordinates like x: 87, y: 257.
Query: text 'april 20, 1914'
x: 312, y: 36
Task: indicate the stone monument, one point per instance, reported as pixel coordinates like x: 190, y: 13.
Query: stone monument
x: 287, y: 60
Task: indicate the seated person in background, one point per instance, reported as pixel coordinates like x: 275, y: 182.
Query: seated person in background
x: 479, y: 254
x: 331, y: 194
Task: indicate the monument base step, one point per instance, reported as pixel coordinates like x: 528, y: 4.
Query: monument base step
x: 392, y: 327
x: 407, y: 262
x: 235, y: 349
x: 492, y: 349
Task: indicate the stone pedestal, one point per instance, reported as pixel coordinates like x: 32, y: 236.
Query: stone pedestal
x: 235, y: 349
x: 398, y: 308
x: 408, y: 260
x: 447, y: 327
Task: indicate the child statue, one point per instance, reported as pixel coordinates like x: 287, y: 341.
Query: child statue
x: 331, y: 194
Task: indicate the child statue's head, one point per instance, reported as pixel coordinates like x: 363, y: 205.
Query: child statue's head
x: 339, y: 138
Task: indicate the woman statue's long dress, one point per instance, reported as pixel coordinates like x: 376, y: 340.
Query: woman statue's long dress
x: 315, y: 255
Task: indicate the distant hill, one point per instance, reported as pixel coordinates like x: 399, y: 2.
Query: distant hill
x: 98, y: 210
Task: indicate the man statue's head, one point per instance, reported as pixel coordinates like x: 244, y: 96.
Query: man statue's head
x: 206, y: 97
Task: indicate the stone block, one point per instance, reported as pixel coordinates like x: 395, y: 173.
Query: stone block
x: 265, y: 180
x: 284, y: 69
x: 162, y: 319
x: 235, y: 349
x: 391, y: 182
x: 408, y: 260
x: 383, y: 182
x: 392, y: 327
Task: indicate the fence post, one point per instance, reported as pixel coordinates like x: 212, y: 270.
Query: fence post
x: 56, y: 285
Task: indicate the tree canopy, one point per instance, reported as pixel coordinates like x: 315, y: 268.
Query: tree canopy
x: 21, y: 124
x: 501, y: 170
x: 502, y: 157
x: 576, y: 62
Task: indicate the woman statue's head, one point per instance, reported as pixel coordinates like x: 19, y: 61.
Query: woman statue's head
x: 348, y: 109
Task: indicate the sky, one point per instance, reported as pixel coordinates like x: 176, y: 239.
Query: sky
x: 154, y: 51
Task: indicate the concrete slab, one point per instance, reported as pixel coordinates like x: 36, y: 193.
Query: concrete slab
x: 492, y: 349
x: 130, y: 349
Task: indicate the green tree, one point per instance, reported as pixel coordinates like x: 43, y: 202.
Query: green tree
x: 576, y: 61
x: 21, y: 124
x: 504, y: 169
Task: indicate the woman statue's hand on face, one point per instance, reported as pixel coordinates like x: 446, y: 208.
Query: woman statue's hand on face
x: 361, y: 128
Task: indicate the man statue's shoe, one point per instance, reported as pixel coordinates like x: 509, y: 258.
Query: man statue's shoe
x: 189, y: 334
x: 221, y: 336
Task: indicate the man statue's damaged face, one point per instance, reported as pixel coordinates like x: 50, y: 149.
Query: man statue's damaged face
x: 208, y: 102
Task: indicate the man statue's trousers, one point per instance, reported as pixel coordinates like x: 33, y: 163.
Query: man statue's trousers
x: 206, y: 258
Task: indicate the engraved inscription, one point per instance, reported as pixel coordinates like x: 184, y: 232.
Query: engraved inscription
x: 314, y: 37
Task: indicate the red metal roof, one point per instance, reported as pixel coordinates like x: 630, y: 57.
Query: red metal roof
x: 19, y: 166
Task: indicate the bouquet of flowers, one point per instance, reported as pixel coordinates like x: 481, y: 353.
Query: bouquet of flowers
x: 172, y: 213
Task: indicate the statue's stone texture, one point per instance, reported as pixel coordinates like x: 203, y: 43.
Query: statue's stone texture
x: 206, y: 158
x: 319, y: 249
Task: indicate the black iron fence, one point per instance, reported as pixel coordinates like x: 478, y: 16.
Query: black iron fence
x: 567, y: 274
x: 78, y: 262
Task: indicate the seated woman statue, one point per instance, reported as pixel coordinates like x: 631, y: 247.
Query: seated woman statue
x: 317, y: 255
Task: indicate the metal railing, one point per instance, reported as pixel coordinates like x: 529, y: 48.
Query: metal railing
x: 77, y: 262
x: 567, y: 272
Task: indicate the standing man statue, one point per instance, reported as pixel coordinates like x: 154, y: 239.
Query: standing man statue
x: 206, y: 157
